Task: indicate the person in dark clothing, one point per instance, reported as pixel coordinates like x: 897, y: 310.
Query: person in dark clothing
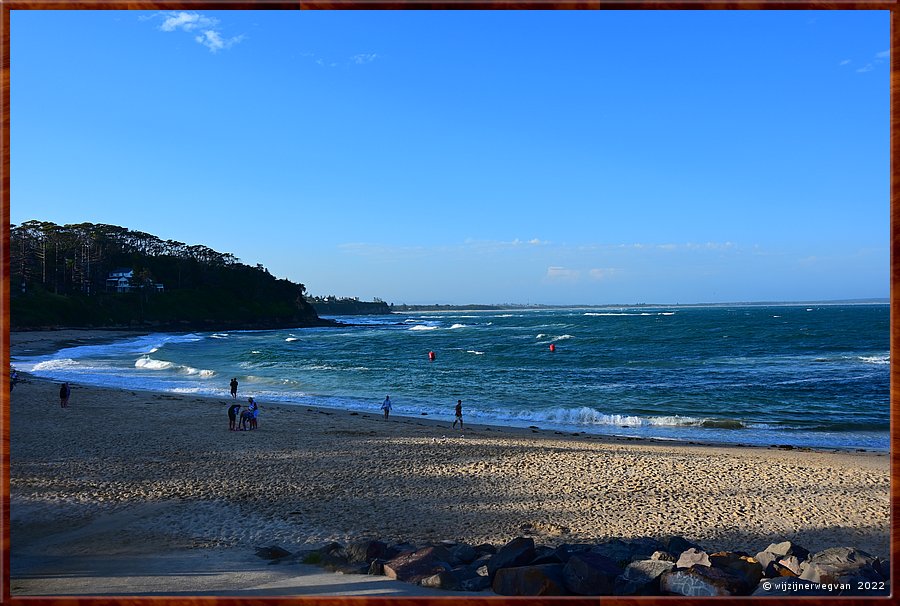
x: 458, y: 415
x: 64, y: 392
x: 233, y: 412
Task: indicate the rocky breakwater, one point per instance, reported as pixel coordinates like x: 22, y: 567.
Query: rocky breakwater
x: 636, y: 567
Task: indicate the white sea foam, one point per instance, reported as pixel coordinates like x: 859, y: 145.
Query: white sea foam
x: 883, y: 359
x: 222, y: 335
x: 190, y: 370
x: 477, y: 353
x: 148, y: 363
x: 290, y: 339
x: 151, y: 364
x: 457, y: 326
x: 254, y: 352
x: 423, y: 327
x: 56, y: 364
x: 590, y: 416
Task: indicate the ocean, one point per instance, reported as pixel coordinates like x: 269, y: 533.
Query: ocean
x: 799, y: 375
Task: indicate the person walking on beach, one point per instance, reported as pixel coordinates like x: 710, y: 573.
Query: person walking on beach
x: 386, y: 407
x: 64, y: 392
x: 233, y: 411
x: 234, y: 385
x: 458, y: 415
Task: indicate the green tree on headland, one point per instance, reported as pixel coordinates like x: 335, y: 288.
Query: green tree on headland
x: 60, y: 275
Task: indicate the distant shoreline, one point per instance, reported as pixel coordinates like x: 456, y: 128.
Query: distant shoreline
x: 526, y: 306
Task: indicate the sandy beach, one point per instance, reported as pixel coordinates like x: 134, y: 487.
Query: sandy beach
x: 128, y: 492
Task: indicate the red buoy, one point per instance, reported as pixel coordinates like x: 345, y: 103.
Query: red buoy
x: 553, y: 347
x: 431, y: 356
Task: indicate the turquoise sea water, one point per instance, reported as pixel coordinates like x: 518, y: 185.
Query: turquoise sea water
x: 812, y: 375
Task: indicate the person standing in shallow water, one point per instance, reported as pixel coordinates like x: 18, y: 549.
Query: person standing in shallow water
x: 234, y: 385
x: 386, y: 407
x: 458, y: 415
x: 64, y: 392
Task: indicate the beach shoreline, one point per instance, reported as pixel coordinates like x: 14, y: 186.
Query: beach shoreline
x: 144, y: 477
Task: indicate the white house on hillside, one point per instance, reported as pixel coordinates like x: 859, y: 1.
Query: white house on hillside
x: 119, y: 280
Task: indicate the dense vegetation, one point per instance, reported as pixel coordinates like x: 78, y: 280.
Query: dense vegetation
x: 349, y: 306
x: 60, y: 277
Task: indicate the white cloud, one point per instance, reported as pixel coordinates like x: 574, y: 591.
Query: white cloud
x: 845, y: 62
x: 883, y: 54
x: 363, y: 58
x: 212, y: 40
x: 866, y: 68
x: 198, y: 24
x: 186, y: 21
x: 562, y: 273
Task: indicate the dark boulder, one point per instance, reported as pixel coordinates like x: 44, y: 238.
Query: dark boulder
x: 591, y: 573
x: 544, y: 555
x: 840, y: 564
x: 699, y: 581
x: 745, y: 569
x: 676, y: 544
x: 616, y: 550
x: 415, y: 566
x: 365, y: 551
x: 518, y: 552
x: 642, y: 577
x: 458, y: 579
x: 485, y: 548
x: 644, y: 547
x: 546, y: 579
x: 463, y: 554
x: 566, y: 550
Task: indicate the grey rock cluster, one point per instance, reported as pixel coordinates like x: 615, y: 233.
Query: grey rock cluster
x: 636, y: 567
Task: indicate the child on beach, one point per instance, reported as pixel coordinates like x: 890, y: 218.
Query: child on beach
x: 234, y: 385
x: 458, y: 415
x: 64, y: 392
x: 254, y: 413
x: 250, y: 415
x: 233, y: 411
x: 386, y: 407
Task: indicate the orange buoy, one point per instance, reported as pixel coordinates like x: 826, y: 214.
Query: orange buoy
x: 553, y: 347
x: 431, y: 356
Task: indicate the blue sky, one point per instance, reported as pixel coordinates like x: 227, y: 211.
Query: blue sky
x: 463, y: 157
